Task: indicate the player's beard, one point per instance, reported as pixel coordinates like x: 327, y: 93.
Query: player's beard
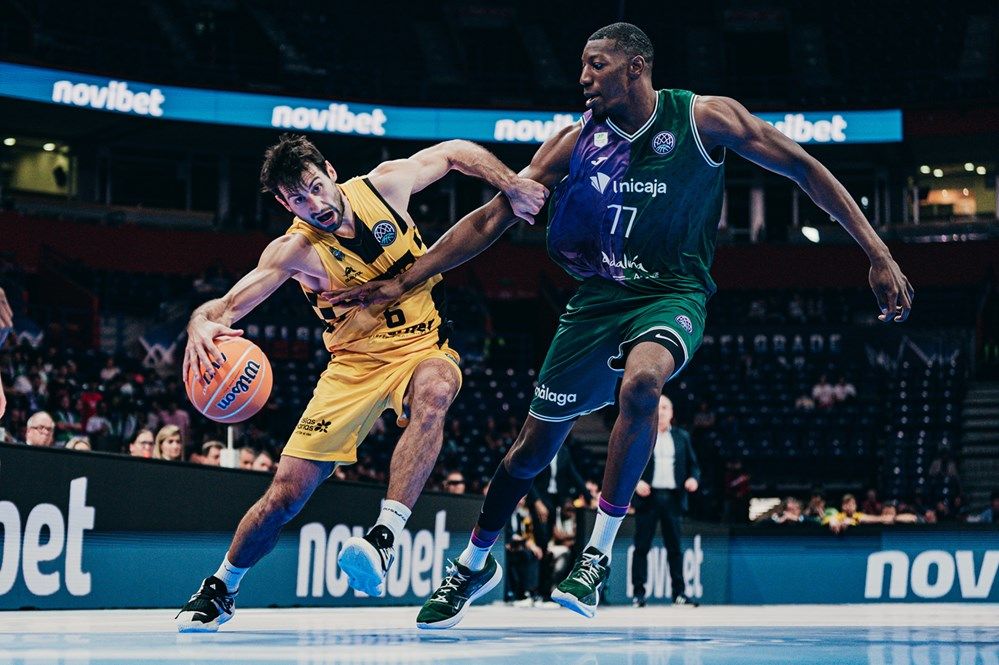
x: 333, y: 216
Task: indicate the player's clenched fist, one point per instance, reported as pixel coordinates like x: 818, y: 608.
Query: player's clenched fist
x: 526, y: 197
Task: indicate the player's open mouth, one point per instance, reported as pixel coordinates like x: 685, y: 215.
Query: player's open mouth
x: 590, y: 98
x: 326, y: 217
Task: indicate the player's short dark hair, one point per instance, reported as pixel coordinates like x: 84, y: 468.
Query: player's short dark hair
x: 629, y: 38
x: 285, y: 161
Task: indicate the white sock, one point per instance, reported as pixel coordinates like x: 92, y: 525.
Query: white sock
x: 604, y: 532
x: 230, y: 574
x: 393, y: 516
x: 474, y: 558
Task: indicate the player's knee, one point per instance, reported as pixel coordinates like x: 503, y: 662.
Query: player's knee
x: 523, y: 461
x: 640, y: 392
x: 434, y: 398
x: 522, y: 465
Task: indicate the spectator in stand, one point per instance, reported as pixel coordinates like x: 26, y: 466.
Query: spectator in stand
x: 991, y: 514
x: 871, y: 504
x: 943, y: 465
x: 454, y: 483
x: 143, y: 444
x: 823, y: 393
x: 958, y: 508
x: 110, y: 371
x: 591, y: 498
x: 40, y: 430
x: 561, y: 544
x: 844, y: 391
x: 211, y: 453
x: 889, y: 513
x: 264, y: 462
x: 98, y: 428
x: 79, y: 443
x: 804, y: 403
x: 559, y: 481
x: 736, y: 492
x: 796, y: 309
x: 704, y: 419
x: 247, y: 456
x: 124, y: 422
x: 6, y: 325
x: 790, y: 512
x: 847, y: 516
x: 174, y: 415
x: 67, y: 420
x: 523, y: 557
x: 816, y: 509
x: 169, y: 444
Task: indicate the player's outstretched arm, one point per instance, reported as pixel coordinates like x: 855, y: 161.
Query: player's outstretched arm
x: 472, y: 234
x: 722, y: 121
x: 400, y: 178
x: 282, y: 258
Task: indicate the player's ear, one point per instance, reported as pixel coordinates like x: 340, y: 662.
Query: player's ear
x: 330, y: 171
x: 636, y: 67
x: 284, y: 204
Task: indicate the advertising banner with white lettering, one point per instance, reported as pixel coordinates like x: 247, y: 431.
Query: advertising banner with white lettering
x: 152, y: 100
x: 90, y: 530
x: 899, y: 563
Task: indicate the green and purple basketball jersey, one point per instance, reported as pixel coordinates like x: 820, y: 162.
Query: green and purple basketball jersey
x: 635, y: 220
x: 640, y: 209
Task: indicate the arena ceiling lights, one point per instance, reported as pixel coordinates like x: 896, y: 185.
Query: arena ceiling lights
x: 155, y: 101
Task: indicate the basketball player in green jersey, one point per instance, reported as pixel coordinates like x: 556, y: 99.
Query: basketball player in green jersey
x: 638, y: 192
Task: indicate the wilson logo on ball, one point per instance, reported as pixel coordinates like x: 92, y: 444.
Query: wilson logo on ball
x: 242, y: 385
x: 236, y: 388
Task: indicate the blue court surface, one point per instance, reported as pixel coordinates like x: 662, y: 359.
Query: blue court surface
x: 807, y: 635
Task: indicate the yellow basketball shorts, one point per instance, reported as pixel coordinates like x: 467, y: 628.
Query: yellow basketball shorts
x: 353, y: 391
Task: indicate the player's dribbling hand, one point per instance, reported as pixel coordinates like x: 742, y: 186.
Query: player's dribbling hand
x: 892, y: 289
x: 363, y: 295
x: 526, y: 198
x: 201, y: 351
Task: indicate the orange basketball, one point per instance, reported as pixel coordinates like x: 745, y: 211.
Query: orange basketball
x: 240, y: 386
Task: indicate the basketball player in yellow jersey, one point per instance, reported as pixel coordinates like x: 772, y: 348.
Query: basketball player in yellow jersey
x: 344, y: 235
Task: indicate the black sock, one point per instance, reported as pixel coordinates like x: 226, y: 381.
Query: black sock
x: 505, y: 492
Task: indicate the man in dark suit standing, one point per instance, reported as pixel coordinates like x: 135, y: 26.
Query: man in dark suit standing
x: 558, y: 482
x: 661, y: 497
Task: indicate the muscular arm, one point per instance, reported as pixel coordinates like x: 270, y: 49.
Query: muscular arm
x: 281, y: 259
x: 397, y: 180
x: 474, y: 232
x: 401, y: 177
x: 722, y: 121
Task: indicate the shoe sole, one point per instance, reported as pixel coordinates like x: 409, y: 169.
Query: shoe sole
x: 570, y: 602
x: 453, y: 621
x: 362, y: 574
x: 190, y: 626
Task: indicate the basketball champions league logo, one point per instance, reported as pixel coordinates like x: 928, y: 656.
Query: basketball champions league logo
x: 663, y: 143
x: 384, y: 233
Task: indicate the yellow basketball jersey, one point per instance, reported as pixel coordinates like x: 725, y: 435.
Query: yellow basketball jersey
x: 384, y: 245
